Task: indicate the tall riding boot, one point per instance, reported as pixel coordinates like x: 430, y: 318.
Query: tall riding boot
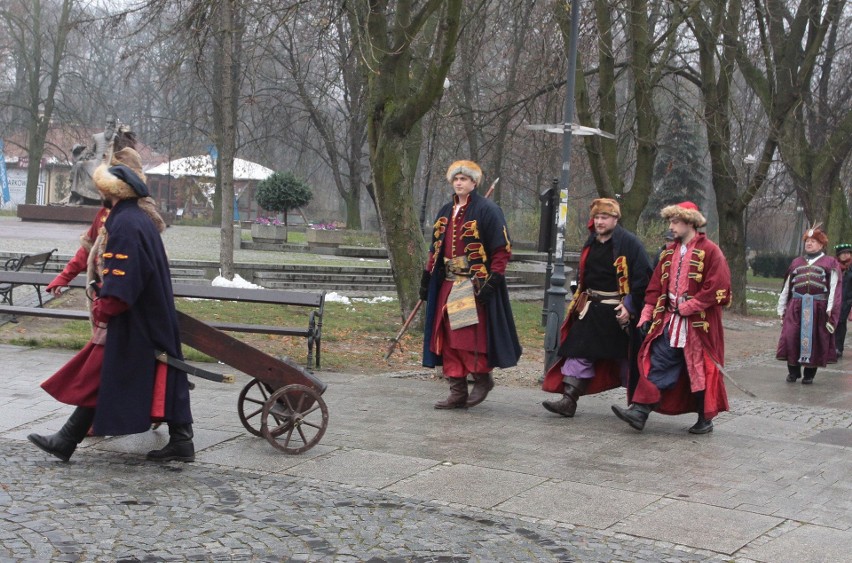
x: 810, y: 373
x: 180, y: 446
x: 63, y: 443
x: 793, y: 373
x: 702, y: 426
x: 573, y: 389
x: 635, y: 416
x: 483, y: 383
x: 458, y: 394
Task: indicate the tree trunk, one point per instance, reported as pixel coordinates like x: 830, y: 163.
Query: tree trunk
x: 717, y: 67
x: 225, y: 94
x: 403, y: 236
x: 41, y: 109
x: 813, y: 136
x: 398, y: 99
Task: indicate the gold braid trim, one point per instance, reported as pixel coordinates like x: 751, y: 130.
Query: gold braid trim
x: 623, y: 275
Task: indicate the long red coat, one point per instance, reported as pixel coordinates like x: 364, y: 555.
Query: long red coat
x: 709, y: 288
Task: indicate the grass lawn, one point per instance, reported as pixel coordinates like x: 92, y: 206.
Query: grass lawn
x: 355, y: 337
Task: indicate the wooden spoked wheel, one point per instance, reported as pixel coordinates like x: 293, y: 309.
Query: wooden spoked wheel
x: 250, y: 405
x: 294, y: 419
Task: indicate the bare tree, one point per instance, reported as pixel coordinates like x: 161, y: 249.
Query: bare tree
x: 40, y: 31
x: 321, y: 52
x: 397, y: 100
x: 792, y: 70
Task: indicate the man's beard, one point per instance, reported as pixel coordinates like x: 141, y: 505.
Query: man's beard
x: 605, y: 232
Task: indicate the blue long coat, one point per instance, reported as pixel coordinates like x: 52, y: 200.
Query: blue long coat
x: 136, y: 271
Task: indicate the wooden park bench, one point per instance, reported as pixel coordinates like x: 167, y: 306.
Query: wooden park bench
x: 27, y: 262
x: 312, y: 332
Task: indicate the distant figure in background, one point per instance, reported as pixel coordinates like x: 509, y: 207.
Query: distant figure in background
x: 843, y: 253
x: 809, y: 305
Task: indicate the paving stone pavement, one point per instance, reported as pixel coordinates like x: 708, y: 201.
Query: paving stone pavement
x: 395, y: 480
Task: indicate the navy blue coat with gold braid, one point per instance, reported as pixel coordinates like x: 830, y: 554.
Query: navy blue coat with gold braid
x: 503, y: 346
x: 136, y: 271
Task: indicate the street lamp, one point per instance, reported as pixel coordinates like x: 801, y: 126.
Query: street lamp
x: 430, y: 152
x: 749, y: 160
x: 556, y: 292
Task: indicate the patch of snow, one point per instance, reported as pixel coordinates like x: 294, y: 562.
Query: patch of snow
x: 238, y: 281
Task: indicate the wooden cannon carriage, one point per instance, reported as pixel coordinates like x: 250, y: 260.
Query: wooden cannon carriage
x: 282, y: 403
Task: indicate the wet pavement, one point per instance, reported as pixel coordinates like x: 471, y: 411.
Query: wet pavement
x: 395, y: 480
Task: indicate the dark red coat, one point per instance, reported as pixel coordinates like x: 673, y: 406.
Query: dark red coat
x: 822, y: 342
x: 710, y: 289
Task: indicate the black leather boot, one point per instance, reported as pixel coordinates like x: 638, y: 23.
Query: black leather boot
x: 635, y: 416
x: 180, y: 446
x: 572, y: 391
x: 810, y: 373
x: 458, y: 394
x: 702, y: 425
x: 63, y: 443
x: 483, y: 383
x: 793, y: 373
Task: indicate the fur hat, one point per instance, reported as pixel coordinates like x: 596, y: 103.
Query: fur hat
x: 816, y: 233
x: 466, y: 167
x: 686, y: 211
x: 123, y: 178
x: 605, y: 205
x: 842, y: 247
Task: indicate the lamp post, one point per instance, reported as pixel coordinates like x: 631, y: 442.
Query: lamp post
x: 555, y: 298
x: 430, y: 153
x: 749, y: 161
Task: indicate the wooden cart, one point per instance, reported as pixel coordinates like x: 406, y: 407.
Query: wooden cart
x: 283, y: 402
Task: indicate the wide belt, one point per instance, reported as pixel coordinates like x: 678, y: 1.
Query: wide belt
x: 457, y: 268
x: 816, y: 297
x: 605, y: 297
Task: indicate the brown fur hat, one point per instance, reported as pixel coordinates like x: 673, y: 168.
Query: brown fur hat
x: 605, y: 205
x: 686, y: 211
x: 466, y: 167
x: 109, y: 184
x: 817, y: 234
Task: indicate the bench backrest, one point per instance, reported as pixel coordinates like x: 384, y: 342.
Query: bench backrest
x: 277, y: 296
x: 34, y: 261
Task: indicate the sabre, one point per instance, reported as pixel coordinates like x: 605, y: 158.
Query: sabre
x: 405, y: 326
x: 734, y: 381
x: 193, y: 370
